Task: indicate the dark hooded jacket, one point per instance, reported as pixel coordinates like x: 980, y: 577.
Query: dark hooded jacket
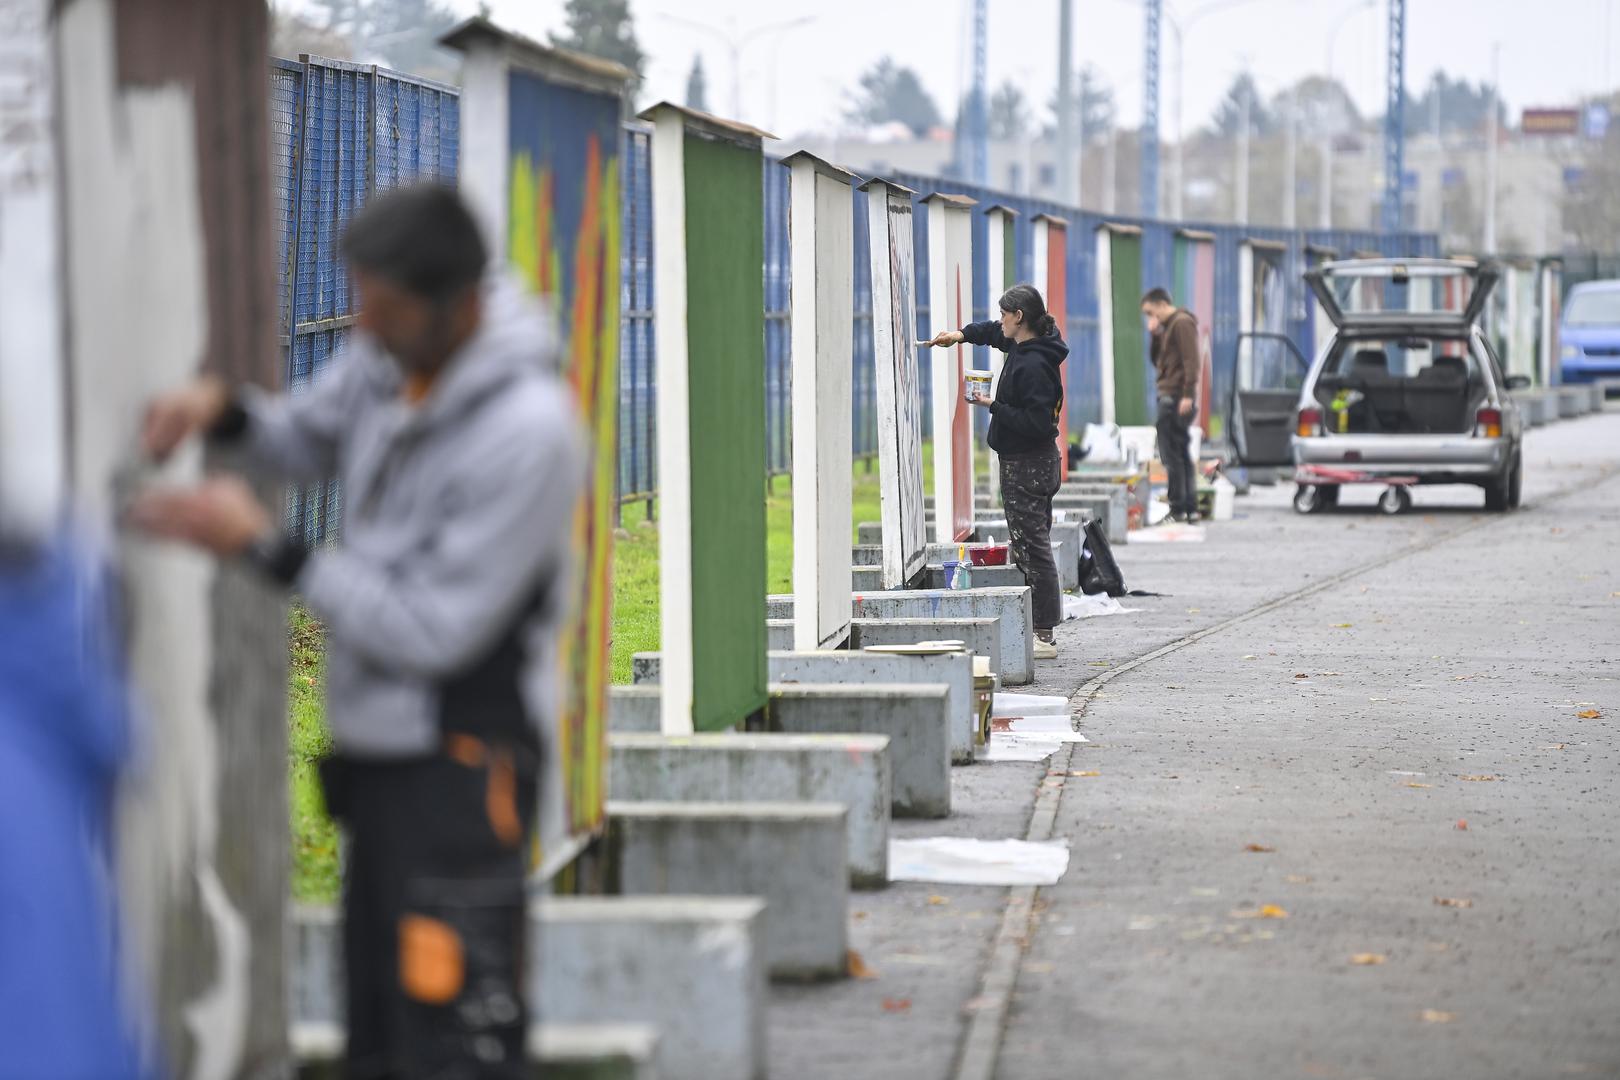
x: 1024, y: 418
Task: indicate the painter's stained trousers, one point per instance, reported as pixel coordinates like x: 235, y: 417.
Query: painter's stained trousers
x: 1028, y: 482
x: 1175, y: 450
x: 434, y: 917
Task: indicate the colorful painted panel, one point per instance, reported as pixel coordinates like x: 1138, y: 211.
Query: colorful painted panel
x: 1195, y: 290
x: 1002, y: 262
x: 563, y: 238
x: 899, y: 397
x: 1056, y: 294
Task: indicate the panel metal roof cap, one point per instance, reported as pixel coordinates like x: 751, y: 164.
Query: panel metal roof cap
x: 607, y: 74
x: 961, y: 202
x: 1052, y: 219
x: 820, y: 165
x: 892, y: 186
x: 1003, y: 207
x: 709, y: 124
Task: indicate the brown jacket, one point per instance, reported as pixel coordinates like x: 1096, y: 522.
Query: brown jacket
x: 1175, y: 356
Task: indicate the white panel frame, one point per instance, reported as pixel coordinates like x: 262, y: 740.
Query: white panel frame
x: 821, y: 232
x: 674, y: 424
x: 950, y: 249
x: 1105, y: 315
x: 899, y: 405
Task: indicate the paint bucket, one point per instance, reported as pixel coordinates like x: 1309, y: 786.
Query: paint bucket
x: 958, y: 575
x: 988, y: 555
x: 975, y: 384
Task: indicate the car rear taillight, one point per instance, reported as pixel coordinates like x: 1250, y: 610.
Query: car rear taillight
x: 1310, y: 423
x: 1488, y: 423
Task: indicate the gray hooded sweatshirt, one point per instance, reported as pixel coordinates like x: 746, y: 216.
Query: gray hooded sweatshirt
x: 457, y: 524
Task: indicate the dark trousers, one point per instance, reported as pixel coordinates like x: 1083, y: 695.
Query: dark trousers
x: 1175, y: 450
x: 1028, y: 482
x: 434, y: 914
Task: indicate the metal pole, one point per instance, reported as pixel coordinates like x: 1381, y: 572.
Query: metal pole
x: 1490, y: 152
x: 981, y: 97
x: 1291, y: 181
x: 1066, y: 193
x: 1111, y: 167
x: 1180, y: 161
x: 1394, y: 117
x: 1240, y: 189
x: 1149, y: 183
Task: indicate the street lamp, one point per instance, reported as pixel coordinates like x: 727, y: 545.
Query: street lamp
x: 735, y: 44
x: 1325, y: 211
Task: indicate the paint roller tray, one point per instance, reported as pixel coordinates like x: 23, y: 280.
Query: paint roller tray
x: 988, y: 555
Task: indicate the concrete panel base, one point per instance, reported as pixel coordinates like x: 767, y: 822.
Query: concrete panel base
x: 1535, y: 407
x: 555, y: 1051
x: 1065, y: 551
x: 915, y: 717
x: 604, y: 971
x: 636, y: 708
x: 852, y: 770
x: 790, y: 854
x: 690, y: 967
x: 873, y: 677
x: 1572, y: 402
x: 980, y: 636
x: 870, y: 578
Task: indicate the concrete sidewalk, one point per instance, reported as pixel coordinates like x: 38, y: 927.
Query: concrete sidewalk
x: 1136, y: 966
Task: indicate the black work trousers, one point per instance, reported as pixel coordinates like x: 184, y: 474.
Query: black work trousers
x: 1175, y: 450
x: 1028, y: 482
x: 434, y: 925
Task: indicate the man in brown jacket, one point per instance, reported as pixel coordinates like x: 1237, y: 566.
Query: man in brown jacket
x: 1175, y: 358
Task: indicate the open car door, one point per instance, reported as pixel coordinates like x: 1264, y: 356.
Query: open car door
x: 1265, y: 393
x: 1446, y: 295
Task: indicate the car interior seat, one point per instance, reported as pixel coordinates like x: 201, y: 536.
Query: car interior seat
x: 1438, y: 399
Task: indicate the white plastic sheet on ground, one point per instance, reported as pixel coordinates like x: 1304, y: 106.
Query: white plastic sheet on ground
x: 1028, y: 727
x: 1090, y: 607
x: 951, y: 860
x: 1169, y: 534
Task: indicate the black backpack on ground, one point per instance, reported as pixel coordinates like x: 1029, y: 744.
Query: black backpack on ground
x: 1099, y: 573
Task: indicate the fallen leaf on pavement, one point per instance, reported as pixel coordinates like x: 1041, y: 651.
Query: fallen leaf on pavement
x: 1482, y: 777
x: 1367, y: 959
x: 1302, y: 675
x: 937, y: 901
x: 1258, y: 847
x: 1462, y: 824
x: 1413, y: 783
x: 896, y: 1004
x: 1297, y: 879
x: 1435, y: 1016
x: 1554, y: 746
x: 1341, y: 626
x: 1265, y: 911
x: 1452, y: 901
x: 1589, y: 714
x: 857, y: 966
x: 1251, y: 656
x: 1087, y: 772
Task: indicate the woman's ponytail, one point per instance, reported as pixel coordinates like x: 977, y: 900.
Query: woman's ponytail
x: 1026, y: 299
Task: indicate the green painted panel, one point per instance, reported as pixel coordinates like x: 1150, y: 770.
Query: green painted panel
x: 725, y: 289
x: 1130, y: 365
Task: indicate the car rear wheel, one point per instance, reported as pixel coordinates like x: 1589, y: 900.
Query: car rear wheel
x: 1503, y: 493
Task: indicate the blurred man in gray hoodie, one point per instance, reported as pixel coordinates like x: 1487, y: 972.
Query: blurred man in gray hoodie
x: 461, y: 461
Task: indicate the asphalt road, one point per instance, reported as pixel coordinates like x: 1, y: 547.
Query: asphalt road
x: 1342, y: 691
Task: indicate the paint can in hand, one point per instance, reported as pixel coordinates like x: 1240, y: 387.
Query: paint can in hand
x: 975, y: 384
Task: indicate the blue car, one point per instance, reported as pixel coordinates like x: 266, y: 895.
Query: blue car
x: 1590, y: 333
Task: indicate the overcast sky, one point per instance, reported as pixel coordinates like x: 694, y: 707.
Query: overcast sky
x: 1553, y: 51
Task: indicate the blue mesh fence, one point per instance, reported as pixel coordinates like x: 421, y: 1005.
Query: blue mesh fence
x: 344, y: 130
x: 339, y: 132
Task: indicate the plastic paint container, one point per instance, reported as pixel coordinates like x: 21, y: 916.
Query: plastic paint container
x: 975, y: 383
